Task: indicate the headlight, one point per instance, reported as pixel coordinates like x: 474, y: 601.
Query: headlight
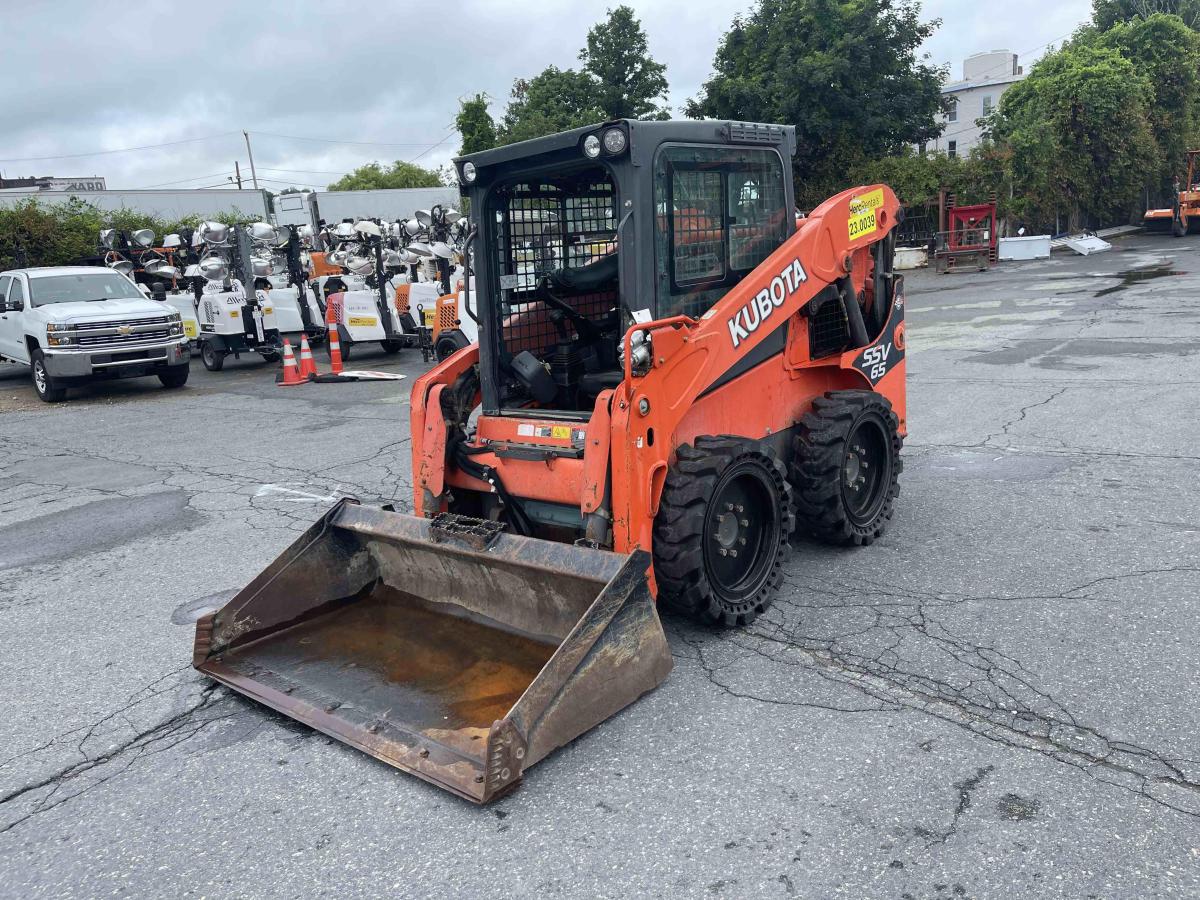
x: 614, y: 141
x: 58, y: 326
x: 468, y: 172
x: 591, y: 146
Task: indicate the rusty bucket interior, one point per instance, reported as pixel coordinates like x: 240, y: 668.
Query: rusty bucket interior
x: 443, y: 647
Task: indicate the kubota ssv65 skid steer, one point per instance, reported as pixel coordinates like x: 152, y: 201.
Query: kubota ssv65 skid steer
x: 673, y: 373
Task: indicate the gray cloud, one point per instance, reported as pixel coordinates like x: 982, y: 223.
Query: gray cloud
x: 76, y: 78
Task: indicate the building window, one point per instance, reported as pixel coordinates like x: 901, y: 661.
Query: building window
x: 952, y: 113
x: 952, y: 149
x: 987, y: 105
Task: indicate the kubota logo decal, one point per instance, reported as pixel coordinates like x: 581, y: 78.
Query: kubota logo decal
x: 759, y: 308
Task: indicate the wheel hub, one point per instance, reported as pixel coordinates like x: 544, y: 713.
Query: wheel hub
x: 865, y: 471
x: 39, y: 376
x: 741, y: 521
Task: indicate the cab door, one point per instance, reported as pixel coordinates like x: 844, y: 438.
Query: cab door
x: 12, y: 334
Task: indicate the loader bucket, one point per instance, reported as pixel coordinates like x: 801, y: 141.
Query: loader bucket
x: 443, y: 647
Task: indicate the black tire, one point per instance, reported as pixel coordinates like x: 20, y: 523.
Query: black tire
x: 391, y: 347
x: 343, y: 348
x: 447, y: 345
x: 213, y: 359
x: 723, y: 494
x: 845, y: 467
x: 271, y: 357
x: 174, y: 377
x: 1179, y: 227
x: 47, y: 390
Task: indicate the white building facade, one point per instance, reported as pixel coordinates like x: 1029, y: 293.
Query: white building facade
x: 986, y: 76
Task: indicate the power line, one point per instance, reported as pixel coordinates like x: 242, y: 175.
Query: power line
x: 296, y: 137
x: 180, y: 181
x: 302, y: 171
x: 449, y: 134
x: 211, y: 137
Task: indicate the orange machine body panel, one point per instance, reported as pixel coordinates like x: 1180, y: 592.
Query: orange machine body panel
x: 625, y: 448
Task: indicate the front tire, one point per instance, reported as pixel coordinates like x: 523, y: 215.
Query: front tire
x: 213, y: 359
x: 722, y: 529
x: 174, y: 377
x: 845, y: 467
x: 43, y: 384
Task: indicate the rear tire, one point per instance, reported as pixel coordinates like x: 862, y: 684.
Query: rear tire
x: 213, y: 359
x: 722, y: 529
x: 174, y: 377
x: 391, y: 347
x: 845, y: 467
x: 47, y: 390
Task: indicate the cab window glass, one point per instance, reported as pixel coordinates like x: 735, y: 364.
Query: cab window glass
x: 719, y: 213
x: 16, y: 290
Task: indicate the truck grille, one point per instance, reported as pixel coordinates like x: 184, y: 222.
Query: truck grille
x: 127, y: 333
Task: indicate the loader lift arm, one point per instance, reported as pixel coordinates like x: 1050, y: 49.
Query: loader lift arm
x: 831, y: 247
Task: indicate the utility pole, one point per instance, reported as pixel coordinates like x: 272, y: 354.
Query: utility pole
x: 250, y: 153
x: 237, y: 170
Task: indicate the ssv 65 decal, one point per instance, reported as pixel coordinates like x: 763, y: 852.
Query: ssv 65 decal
x: 759, y: 308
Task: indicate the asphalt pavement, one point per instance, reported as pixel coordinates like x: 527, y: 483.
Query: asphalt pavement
x: 999, y: 699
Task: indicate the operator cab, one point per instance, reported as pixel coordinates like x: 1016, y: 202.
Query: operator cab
x: 698, y: 205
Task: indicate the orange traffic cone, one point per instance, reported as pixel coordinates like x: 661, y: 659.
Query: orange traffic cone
x: 308, y: 365
x: 291, y: 373
x: 335, y: 351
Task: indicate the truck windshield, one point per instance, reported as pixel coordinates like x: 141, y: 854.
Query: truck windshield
x: 82, y: 286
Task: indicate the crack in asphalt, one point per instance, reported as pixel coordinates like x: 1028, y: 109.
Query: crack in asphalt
x: 68, y: 782
x: 903, y: 660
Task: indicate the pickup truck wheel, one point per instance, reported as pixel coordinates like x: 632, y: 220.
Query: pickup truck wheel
x: 46, y: 389
x: 174, y: 377
x: 390, y: 347
x: 213, y: 359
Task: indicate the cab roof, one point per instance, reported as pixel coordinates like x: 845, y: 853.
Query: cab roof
x: 651, y: 134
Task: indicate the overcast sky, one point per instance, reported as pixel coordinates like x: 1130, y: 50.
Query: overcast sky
x: 326, y: 86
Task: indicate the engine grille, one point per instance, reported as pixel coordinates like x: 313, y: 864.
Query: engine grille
x: 827, y: 330
x: 125, y: 333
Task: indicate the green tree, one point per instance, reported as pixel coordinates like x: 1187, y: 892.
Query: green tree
x: 844, y: 72
x: 630, y: 84
x: 1079, y: 131
x: 1167, y: 53
x: 553, y: 100
x: 1107, y: 13
x: 373, y: 176
x: 475, y: 124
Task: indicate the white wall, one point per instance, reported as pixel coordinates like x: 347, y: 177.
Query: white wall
x: 171, y: 205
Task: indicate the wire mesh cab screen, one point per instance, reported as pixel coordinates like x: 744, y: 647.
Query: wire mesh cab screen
x: 543, y: 225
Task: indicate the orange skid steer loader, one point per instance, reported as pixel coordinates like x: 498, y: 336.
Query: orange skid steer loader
x: 672, y: 376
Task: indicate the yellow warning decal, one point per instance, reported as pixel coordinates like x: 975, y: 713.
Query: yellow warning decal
x: 862, y: 213
x: 190, y: 330
x: 362, y: 321
x: 561, y: 431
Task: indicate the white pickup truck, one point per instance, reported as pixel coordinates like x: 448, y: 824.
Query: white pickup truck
x: 73, y: 324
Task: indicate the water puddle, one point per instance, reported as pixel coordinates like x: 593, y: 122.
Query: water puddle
x: 1131, y: 277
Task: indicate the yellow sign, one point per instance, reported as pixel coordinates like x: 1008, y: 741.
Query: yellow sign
x: 427, y: 317
x: 862, y: 214
x: 190, y: 329
x: 362, y: 321
x: 561, y: 431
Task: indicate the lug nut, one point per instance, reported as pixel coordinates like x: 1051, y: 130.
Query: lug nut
x: 742, y: 541
x: 723, y: 552
x: 733, y: 553
x: 745, y: 523
x: 729, y: 507
x: 741, y: 509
